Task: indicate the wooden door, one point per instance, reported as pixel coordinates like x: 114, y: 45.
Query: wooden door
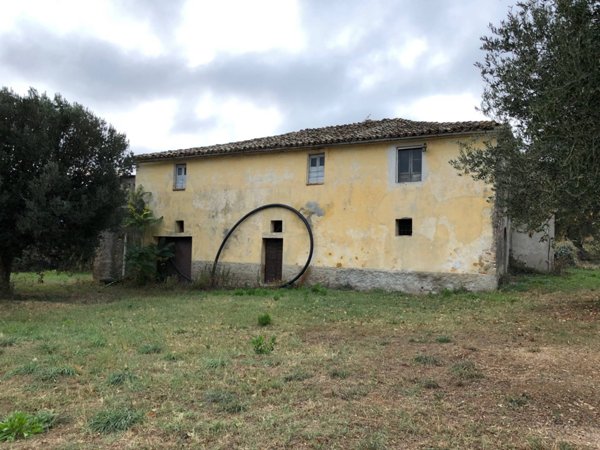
x: 273, y: 259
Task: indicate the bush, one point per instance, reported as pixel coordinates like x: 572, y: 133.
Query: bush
x: 565, y: 255
x: 262, y: 346
x: 264, y: 320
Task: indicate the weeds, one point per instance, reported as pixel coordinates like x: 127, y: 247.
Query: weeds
x: 224, y: 400
x: 148, y: 349
x: 7, y: 341
x: 262, y: 345
x: 427, y: 360
x: 297, y: 375
x: 115, y: 419
x: 443, y: 339
x: 18, y: 425
x: 517, y: 401
x: 120, y: 378
x: 466, y: 371
x: 264, y: 320
x: 215, y: 363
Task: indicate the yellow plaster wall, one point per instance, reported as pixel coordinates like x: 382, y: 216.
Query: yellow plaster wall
x: 353, y: 213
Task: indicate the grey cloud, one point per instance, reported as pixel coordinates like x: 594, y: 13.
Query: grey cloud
x: 312, y: 88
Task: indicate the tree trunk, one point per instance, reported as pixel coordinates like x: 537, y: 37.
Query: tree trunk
x: 5, y: 271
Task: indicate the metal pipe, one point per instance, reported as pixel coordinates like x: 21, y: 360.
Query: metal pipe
x: 254, y: 211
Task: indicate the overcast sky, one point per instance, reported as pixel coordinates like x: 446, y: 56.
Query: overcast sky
x: 184, y: 73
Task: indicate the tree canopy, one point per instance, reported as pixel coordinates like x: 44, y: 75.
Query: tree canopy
x: 60, y: 169
x: 541, y: 72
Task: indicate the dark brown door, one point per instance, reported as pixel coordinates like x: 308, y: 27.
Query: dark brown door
x: 273, y: 259
x: 181, y: 262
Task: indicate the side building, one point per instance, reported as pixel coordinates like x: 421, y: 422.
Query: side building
x: 385, y: 208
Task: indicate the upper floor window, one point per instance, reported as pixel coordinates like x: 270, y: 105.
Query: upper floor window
x: 410, y: 164
x: 180, y: 176
x: 316, y: 169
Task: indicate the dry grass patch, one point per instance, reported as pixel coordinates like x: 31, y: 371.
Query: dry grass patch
x: 518, y: 368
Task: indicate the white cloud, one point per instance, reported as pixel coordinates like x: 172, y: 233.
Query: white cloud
x: 442, y: 108
x: 237, y: 119
x: 149, y: 125
x: 97, y: 18
x: 235, y: 27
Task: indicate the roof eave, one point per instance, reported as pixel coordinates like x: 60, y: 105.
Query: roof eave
x: 314, y: 146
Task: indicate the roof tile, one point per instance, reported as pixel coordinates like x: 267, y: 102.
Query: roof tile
x: 369, y: 130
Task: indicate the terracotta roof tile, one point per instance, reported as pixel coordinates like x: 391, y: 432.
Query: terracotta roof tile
x: 369, y: 130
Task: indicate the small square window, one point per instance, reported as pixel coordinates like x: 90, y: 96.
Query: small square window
x: 316, y: 169
x: 179, y: 226
x: 410, y: 164
x: 180, y: 177
x: 276, y: 226
x: 404, y: 227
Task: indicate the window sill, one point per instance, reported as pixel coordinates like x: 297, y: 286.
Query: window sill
x: 179, y: 189
x: 315, y: 184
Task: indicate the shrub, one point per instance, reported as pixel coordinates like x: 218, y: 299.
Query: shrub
x: 565, y: 255
x: 443, y: 339
x: 113, y: 420
x: 22, y: 425
x: 264, y: 320
x: 261, y: 345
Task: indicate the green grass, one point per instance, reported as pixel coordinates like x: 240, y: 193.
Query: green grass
x: 177, y: 367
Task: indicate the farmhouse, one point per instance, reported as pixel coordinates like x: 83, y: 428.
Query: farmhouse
x: 366, y: 205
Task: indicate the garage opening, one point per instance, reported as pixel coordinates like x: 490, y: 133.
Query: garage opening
x: 273, y: 259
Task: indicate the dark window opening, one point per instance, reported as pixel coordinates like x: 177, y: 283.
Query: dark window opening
x: 403, y: 227
x: 276, y: 226
x: 179, y: 227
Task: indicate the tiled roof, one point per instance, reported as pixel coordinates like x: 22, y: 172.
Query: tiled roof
x: 367, y: 131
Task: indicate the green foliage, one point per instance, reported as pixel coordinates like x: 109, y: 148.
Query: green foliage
x: 542, y: 79
x: 225, y: 401
x: 427, y: 360
x: 151, y: 348
x: 60, y: 169
x: 443, y: 339
x: 114, y: 419
x: 139, y: 217
x: 143, y: 260
x: 264, y: 320
x: 318, y: 289
x: 262, y: 345
x: 466, y: 370
x: 517, y: 401
x: 121, y: 377
x: 565, y: 255
x: 215, y: 363
x: 19, y: 425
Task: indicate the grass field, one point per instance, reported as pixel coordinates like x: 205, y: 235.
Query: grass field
x: 173, y: 367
